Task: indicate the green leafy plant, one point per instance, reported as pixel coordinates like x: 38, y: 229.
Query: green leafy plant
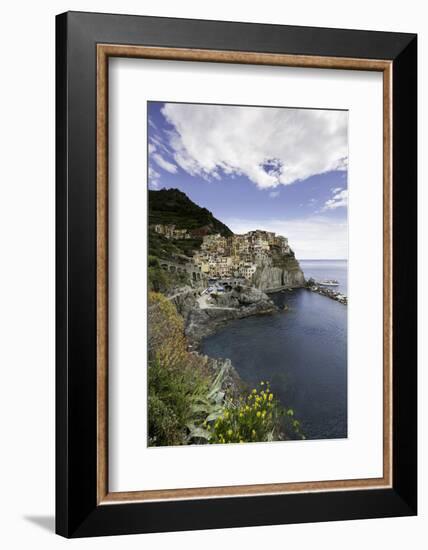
x: 174, y: 398
x: 207, y: 409
x: 253, y: 418
x: 292, y: 426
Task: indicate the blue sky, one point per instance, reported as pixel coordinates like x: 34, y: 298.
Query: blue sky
x: 283, y: 170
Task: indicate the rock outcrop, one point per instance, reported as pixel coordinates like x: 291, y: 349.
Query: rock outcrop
x: 185, y: 300
x: 237, y: 304
x: 284, y: 272
x: 232, y: 383
x: 241, y: 296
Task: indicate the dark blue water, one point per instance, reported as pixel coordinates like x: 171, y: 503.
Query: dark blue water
x: 322, y: 270
x: 302, y: 352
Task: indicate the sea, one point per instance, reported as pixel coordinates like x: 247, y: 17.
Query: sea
x: 302, y: 352
x: 322, y: 270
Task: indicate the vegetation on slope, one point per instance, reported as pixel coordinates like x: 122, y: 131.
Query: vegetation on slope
x: 171, y: 206
x: 160, y: 280
x: 165, y: 248
x: 186, y: 401
x: 179, y: 384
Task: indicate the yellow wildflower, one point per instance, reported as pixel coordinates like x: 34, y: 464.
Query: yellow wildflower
x: 254, y: 392
x: 230, y: 432
x: 258, y: 414
x: 270, y: 396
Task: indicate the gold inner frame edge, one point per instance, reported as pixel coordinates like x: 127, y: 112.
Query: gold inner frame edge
x: 104, y: 51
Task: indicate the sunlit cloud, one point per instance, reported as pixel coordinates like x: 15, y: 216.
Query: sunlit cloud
x: 340, y: 198
x: 163, y: 163
x: 270, y: 146
x: 154, y: 178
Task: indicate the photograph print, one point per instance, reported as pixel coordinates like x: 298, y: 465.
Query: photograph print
x: 247, y: 274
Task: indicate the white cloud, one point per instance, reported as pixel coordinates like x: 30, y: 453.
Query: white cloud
x: 157, y: 143
x: 317, y: 238
x: 273, y: 194
x: 340, y: 198
x: 154, y: 178
x: 270, y: 146
x: 155, y: 146
x: 163, y: 163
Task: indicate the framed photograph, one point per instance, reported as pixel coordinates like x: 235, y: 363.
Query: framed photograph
x: 236, y: 274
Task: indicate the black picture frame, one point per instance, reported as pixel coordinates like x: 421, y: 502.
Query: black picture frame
x: 77, y: 511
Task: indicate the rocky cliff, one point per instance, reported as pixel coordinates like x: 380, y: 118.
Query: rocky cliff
x: 284, y: 272
x: 241, y: 296
x: 236, y: 304
x: 185, y: 301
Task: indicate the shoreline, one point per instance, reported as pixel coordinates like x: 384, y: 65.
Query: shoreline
x: 203, y: 322
x: 282, y: 289
x: 199, y: 323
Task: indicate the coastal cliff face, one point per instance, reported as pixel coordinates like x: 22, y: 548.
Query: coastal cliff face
x: 185, y: 301
x: 284, y: 273
x: 229, y: 306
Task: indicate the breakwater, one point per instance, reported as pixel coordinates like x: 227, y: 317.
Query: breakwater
x: 336, y: 295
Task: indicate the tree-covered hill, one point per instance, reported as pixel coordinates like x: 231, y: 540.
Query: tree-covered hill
x: 171, y: 206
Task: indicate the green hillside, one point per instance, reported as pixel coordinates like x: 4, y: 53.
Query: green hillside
x: 171, y: 206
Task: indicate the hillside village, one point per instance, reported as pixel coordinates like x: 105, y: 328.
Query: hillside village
x: 231, y: 256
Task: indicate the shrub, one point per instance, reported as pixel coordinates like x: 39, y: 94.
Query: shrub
x: 292, y: 426
x: 172, y: 397
x: 254, y: 418
x: 153, y: 261
x: 181, y: 392
x: 160, y: 280
x: 167, y: 343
